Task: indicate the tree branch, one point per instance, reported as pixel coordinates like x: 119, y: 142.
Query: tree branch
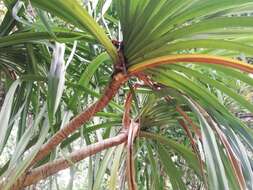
x: 118, y: 80
x: 53, y: 167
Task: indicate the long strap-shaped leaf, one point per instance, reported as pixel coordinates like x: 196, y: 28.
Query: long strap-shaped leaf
x: 210, y: 44
x: 186, y: 153
x: 216, y: 174
x: 5, y: 113
x: 172, y: 171
x: 19, y: 38
x: 71, y: 11
x: 191, y: 58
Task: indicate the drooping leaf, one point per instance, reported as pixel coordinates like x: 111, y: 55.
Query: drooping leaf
x: 6, y: 113
x: 171, y: 170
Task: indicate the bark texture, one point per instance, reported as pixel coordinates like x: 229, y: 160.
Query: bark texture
x: 28, y: 177
x: 49, y: 169
x: 118, y: 80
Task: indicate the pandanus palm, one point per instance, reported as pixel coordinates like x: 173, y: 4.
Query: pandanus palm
x: 175, y: 67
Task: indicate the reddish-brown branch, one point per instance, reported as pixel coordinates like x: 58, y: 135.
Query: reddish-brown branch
x: 117, y: 81
x: 49, y: 169
x: 83, y: 117
x: 132, y: 128
x: 150, y: 83
x: 126, y: 116
x: 188, y: 119
x: 195, y: 149
x: 132, y: 133
x: 188, y: 133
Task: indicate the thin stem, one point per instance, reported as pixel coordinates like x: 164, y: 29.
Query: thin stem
x: 189, y: 120
x: 195, y: 149
x: 132, y: 133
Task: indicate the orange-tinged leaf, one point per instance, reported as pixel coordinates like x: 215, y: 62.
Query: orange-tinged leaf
x: 235, y: 162
x: 191, y: 58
